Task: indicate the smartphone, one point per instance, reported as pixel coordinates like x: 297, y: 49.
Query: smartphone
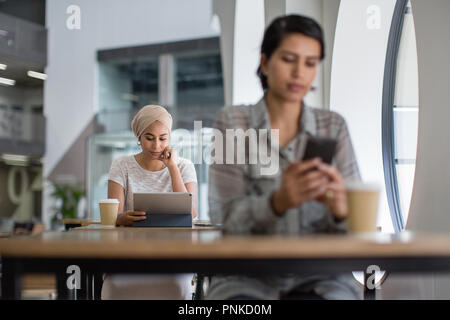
x: 323, y: 148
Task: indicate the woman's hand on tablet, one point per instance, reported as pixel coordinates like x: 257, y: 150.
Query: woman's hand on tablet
x: 127, y: 218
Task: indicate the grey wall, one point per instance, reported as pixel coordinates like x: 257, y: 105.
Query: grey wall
x: 30, y: 10
x: 25, y: 97
x: 430, y: 206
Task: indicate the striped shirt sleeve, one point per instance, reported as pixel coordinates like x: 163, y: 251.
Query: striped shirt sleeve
x: 230, y: 202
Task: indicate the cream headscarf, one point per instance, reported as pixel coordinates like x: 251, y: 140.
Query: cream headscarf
x: 147, y: 115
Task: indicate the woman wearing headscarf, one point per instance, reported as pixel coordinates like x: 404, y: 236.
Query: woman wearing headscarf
x: 157, y: 168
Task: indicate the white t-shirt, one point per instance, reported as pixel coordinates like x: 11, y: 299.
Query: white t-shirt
x: 134, y: 179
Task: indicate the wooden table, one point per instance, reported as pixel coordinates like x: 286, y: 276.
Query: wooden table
x: 150, y: 250
x: 99, y: 227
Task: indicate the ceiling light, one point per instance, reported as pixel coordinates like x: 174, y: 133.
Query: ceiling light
x: 3, y: 66
x: 8, y: 82
x: 37, y: 75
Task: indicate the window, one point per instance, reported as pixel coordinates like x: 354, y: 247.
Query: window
x: 199, y: 80
x: 400, y: 119
x: 125, y: 85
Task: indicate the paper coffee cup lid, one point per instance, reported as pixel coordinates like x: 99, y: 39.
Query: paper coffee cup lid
x: 109, y: 201
x: 368, y: 186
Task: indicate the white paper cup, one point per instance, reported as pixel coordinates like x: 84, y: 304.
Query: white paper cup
x: 108, y: 211
x: 362, y: 201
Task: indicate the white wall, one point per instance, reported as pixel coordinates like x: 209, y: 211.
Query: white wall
x: 430, y: 206
x: 242, y: 27
x: 357, y: 85
x: 71, y: 92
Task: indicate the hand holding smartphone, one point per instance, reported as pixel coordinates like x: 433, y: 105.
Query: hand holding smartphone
x: 318, y: 147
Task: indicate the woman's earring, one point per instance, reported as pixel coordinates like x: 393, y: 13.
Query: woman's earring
x: 138, y: 143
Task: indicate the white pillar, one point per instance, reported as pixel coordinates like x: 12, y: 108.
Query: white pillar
x: 242, y: 28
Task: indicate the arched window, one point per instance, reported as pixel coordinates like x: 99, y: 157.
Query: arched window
x: 400, y: 113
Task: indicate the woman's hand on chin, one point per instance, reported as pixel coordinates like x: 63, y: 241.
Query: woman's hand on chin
x: 169, y: 157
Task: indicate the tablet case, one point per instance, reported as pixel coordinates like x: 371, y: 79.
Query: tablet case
x: 164, y: 210
x: 162, y: 220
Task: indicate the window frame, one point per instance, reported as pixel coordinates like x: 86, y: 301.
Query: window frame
x: 387, y: 119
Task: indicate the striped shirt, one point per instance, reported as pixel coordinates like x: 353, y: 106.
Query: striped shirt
x: 239, y: 199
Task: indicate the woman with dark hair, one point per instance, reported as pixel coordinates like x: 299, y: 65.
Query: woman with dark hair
x: 302, y: 197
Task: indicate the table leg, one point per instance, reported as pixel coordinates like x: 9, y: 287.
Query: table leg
x: 97, y: 286
x: 62, y: 291
x: 11, y: 279
x: 89, y: 286
x: 369, y: 288
x: 85, y: 289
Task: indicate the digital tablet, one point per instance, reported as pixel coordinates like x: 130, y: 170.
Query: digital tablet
x: 167, y: 209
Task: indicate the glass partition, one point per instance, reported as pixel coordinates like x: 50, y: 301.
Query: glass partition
x: 102, y: 149
x: 400, y: 115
